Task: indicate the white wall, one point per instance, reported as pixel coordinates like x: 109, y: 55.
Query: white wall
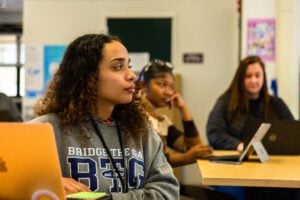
x: 207, y: 26
x: 288, y: 59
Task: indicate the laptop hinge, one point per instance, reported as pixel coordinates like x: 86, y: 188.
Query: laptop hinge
x: 260, y: 151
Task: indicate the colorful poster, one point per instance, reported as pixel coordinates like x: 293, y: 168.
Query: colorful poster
x: 261, y: 38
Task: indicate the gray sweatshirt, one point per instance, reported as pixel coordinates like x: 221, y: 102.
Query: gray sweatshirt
x: 84, y: 158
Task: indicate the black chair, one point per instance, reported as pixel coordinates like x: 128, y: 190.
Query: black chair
x: 273, y: 193
x: 189, y: 192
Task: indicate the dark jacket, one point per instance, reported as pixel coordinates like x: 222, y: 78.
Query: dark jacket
x: 8, y: 110
x: 222, y: 133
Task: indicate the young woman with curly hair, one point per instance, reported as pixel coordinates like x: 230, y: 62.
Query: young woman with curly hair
x: 102, y: 132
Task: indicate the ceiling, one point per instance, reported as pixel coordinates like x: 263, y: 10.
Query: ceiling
x: 11, y: 11
x: 11, y: 16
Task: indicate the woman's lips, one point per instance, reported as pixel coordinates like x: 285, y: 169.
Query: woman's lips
x: 131, y: 90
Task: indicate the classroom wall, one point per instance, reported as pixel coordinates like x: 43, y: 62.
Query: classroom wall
x: 288, y: 48
x: 206, y: 26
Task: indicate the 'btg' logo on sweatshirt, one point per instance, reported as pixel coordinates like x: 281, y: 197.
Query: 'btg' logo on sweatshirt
x: 88, y: 170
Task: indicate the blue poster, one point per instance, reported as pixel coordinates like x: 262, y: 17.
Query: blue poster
x: 53, y: 55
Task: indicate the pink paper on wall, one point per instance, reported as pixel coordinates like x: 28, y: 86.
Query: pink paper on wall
x: 261, y: 38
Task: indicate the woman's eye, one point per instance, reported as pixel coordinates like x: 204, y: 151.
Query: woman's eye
x: 248, y: 75
x: 161, y: 85
x: 258, y: 75
x: 118, y: 67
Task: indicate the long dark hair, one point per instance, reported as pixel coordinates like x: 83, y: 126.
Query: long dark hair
x: 238, y: 99
x: 156, y: 68
x: 72, y: 93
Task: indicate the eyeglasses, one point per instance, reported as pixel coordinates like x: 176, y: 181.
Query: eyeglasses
x: 156, y: 63
x: 159, y: 63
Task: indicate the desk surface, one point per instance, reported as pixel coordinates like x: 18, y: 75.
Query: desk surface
x: 279, y: 171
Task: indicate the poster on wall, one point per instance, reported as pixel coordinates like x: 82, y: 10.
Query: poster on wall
x: 53, y: 55
x: 261, y: 38
x: 33, y: 70
x: 41, y: 63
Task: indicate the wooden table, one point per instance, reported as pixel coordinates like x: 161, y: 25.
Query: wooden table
x: 279, y: 171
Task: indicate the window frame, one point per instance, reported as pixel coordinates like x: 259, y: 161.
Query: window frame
x: 18, y: 65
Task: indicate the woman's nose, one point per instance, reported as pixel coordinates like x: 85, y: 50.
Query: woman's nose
x: 169, y: 91
x: 253, y: 79
x: 131, y: 75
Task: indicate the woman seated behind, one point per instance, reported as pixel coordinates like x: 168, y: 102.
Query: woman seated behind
x: 246, y: 98
x: 156, y: 83
x: 157, y: 86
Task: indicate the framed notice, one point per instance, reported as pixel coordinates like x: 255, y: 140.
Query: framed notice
x: 261, y: 38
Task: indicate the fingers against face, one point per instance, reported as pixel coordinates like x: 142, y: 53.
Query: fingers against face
x: 177, y: 100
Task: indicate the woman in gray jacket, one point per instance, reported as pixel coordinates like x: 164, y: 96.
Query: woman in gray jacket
x: 247, y: 98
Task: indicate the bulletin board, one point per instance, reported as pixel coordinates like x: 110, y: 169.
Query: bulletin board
x: 153, y: 35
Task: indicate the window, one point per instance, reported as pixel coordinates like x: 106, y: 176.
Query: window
x: 12, y: 74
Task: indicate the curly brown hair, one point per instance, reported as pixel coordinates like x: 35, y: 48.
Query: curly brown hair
x: 72, y: 93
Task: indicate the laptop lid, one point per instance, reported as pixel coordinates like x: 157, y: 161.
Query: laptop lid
x: 283, y: 138
x: 29, y: 165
